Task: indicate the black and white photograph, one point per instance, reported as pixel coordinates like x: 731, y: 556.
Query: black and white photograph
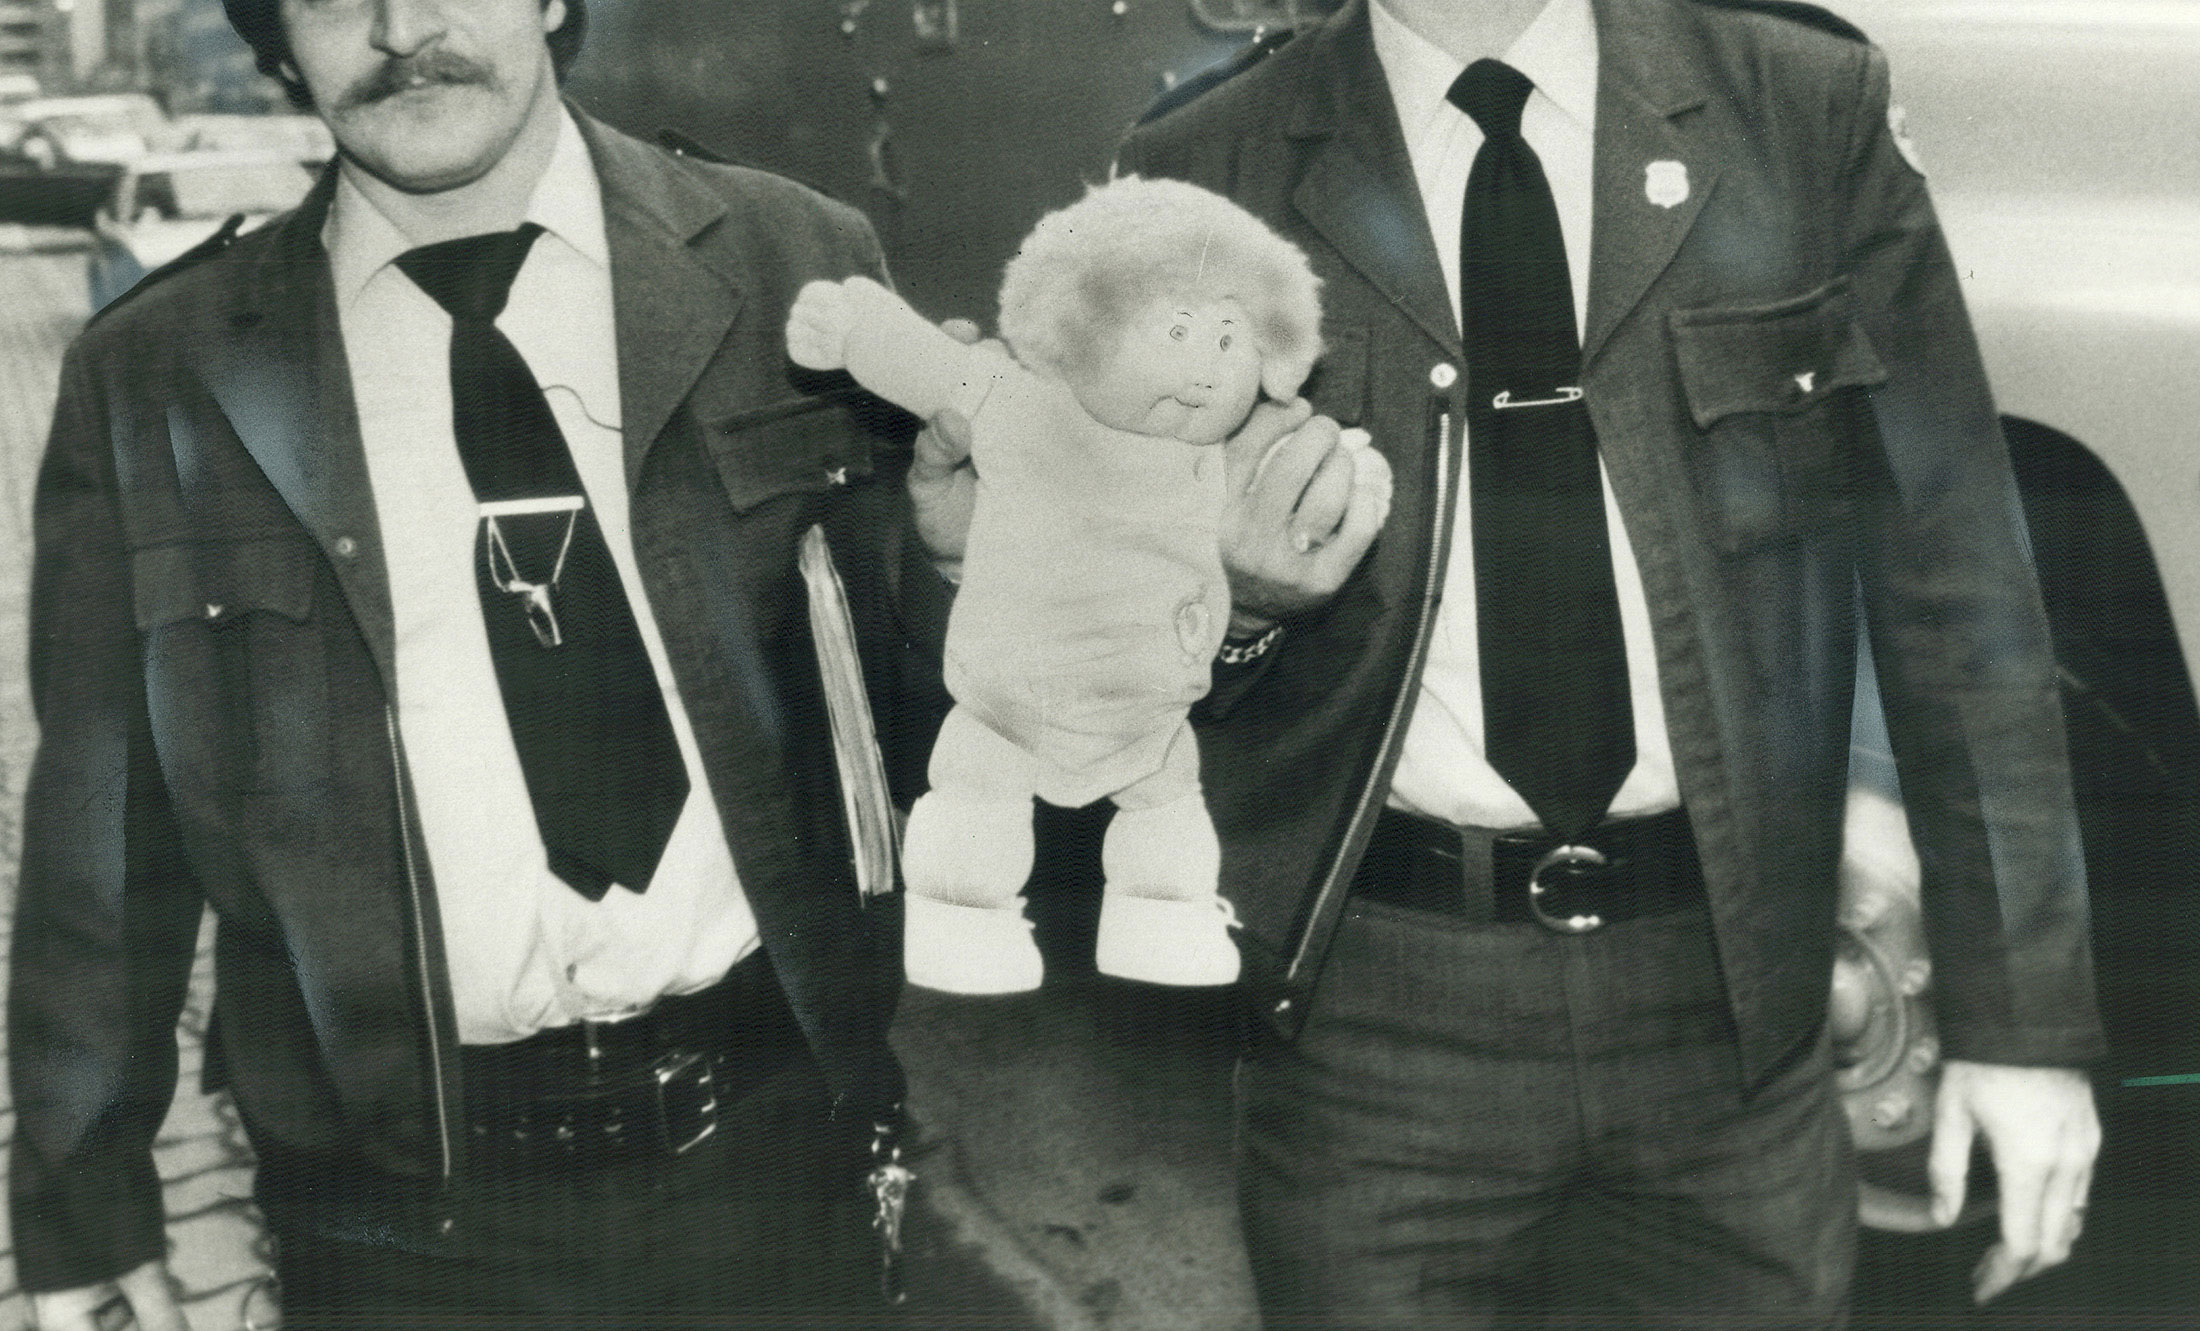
x: 1192, y: 665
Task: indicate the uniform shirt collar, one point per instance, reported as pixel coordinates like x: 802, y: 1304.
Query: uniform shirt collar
x: 567, y: 203
x: 1558, y: 53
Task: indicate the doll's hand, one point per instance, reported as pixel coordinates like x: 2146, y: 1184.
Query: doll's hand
x: 817, y: 326
x: 1306, y: 501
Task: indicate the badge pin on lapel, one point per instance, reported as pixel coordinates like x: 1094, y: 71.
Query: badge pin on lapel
x: 1665, y: 184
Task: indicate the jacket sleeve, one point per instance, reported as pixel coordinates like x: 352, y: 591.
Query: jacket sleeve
x: 897, y: 595
x: 107, y: 913
x: 1965, y: 664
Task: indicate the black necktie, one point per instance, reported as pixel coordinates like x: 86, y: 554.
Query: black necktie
x: 1557, y: 722
x: 587, y: 715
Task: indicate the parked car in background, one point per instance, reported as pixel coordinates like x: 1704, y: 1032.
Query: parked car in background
x: 304, y: 138
x: 165, y: 203
x: 59, y: 156
x: 103, y: 127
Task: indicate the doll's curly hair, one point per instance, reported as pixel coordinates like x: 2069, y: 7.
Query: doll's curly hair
x: 1086, y: 269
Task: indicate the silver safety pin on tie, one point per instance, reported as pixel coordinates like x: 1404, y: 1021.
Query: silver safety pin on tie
x: 1504, y: 401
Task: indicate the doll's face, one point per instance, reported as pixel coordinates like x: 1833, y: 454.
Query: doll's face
x: 1182, y: 370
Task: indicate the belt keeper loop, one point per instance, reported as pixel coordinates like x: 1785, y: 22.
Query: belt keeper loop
x: 1477, y: 878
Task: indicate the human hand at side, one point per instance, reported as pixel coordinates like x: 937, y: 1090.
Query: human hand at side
x: 1306, y: 501
x: 149, y: 1290
x: 943, y: 485
x: 2043, y: 1134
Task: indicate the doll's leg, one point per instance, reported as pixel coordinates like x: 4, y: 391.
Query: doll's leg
x: 1160, y: 919
x: 965, y: 857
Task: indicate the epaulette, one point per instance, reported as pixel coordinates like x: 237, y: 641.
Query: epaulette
x: 1795, y: 11
x: 1222, y: 71
x: 206, y: 249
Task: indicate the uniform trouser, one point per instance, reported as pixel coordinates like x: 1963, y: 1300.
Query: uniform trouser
x: 762, y: 1224
x: 1496, y: 1126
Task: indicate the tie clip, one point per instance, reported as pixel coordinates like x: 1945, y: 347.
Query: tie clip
x: 512, y: 508
x: 1504, y: 401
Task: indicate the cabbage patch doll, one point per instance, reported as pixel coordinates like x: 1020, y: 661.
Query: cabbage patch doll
x: 1145, y: 321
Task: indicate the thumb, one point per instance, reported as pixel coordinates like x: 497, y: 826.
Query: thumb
x: 942, y: 446
x: 1948, y: 1165
x: 1269, y: 424
x: 1364, y: 515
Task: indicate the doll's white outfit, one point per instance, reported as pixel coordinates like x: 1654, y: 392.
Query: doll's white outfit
x: 1092, y: 603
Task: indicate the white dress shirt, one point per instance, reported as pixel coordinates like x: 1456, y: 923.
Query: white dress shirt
x: 1442, y: 773
x: 526, y: 951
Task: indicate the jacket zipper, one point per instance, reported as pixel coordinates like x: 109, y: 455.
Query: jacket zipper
x: 1327, y: 900
x: 420, y: 942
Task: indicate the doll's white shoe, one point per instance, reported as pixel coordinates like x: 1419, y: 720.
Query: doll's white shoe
x: 1167, y: 941
x: 969, y: 949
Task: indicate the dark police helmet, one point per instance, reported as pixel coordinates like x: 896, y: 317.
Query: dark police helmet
x: 260, y: 23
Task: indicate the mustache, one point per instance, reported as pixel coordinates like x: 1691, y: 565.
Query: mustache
x: 403, y: 73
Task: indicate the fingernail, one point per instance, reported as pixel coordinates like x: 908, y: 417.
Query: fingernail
x: 1302, y: 542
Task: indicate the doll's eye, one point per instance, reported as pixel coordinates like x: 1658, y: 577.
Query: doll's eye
x: 1179, y: 333
x: 1226, y: 341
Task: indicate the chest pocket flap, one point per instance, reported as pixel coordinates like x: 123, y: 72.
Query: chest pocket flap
x: 1776, y: 392
x: 797, y: 445
x: 1787, y: 357
x: 221, y: 580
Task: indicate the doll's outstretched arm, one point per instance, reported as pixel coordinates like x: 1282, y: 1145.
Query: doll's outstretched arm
x: 891, y: 349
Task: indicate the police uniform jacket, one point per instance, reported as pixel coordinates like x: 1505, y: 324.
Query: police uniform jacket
x: 1797, y: 426
x: 212, y: 666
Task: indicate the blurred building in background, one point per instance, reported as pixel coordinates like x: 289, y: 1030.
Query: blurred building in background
x: 33, y: 45
x: 181, y: 51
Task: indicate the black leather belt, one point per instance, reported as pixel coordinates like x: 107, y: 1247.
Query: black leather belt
x: 1626, y: 869
x: 596, y: 1092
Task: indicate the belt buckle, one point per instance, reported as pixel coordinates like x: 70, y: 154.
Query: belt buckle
x: 686, y: 1099
x: 1564, y: 862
